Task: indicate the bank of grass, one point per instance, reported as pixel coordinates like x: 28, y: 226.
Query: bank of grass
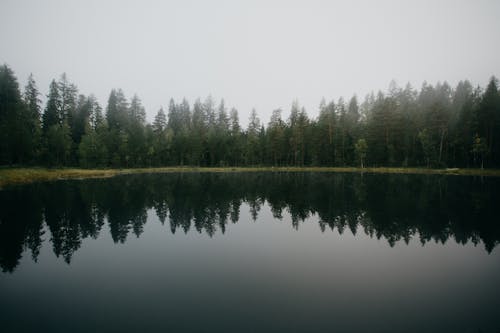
x: 11, y: 176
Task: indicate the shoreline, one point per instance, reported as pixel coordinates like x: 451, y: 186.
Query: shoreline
x: 17, y: 176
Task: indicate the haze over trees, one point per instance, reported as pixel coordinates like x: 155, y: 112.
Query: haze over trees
x: 436, y: 126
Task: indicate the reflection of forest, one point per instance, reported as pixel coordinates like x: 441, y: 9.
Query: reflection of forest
x: 394, y: 207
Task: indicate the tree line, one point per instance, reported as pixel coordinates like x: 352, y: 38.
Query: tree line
x: 436, y: 126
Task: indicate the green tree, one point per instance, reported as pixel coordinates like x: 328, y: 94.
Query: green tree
x: 118, y: 121
x: 69, y: 97
x: 488, y: 119
x: 222, y: 135
x: 252, y: 150
x: 428, y: 147
x: 479, y: 149
x: 326, y: 130
x: 276, y: 138
x: 198, y: 137
x: 361, y: 149
x: 136, y: 148
x: 14, y: 136
x: 116, y: 110
x: 236, y: 139
x: 161, y: 139
x: 297, y: 124
x: 34, y: 114
x: 56, y: 130
x: 58, y: 144
x: 464, y: 103
x: 52, y: 114
x: 92, y: 151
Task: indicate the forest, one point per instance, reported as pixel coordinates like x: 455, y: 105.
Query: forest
x: 437, y: 126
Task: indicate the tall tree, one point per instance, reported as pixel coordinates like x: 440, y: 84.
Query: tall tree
x: 136, y: 145
x: 12, y: 119
x: 252, y: 150
x: 116, y: 110
x: 276, y: 138
x: 236, y: 144
x: 69, y: 98
x: 117, y: 137
x: 34, y: 114
x: 198, y: 137
x: 53, y: 112
x: 488, y: 117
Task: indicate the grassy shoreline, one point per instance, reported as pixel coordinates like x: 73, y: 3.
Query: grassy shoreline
x: 10, y: 176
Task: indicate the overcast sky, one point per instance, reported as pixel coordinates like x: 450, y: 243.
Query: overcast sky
x: 261, y: 54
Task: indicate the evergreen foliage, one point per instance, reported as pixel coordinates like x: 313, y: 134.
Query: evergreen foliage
x: 437, y: 126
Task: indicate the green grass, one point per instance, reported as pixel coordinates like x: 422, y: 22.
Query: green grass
x: 9, y: 176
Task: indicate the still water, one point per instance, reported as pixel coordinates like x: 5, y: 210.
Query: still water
x: 251, y: 252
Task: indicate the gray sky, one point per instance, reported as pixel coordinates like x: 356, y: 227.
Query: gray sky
x: 261, y: 54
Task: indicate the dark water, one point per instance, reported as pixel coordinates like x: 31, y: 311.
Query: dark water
x: 251, y: 252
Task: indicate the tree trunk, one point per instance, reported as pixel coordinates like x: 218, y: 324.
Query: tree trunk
x: 443, y: 132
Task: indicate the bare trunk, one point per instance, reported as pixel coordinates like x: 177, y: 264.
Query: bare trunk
x: 443, y: 133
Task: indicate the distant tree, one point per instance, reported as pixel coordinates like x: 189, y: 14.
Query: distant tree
x: 92, y: 151
x: 69, y: 97
x: 236, y: 139
x: 326, y: 131
x: 276, y: 138
x: 198, y: 138
x: 34, y: 115
x: 118, y: 121
x: 252, y: 153
x: 13, y: 133
x: 488, y: 118
x: 160, y: 121
x: 96, y: 119
x: 361, y: 149
x: 81, y: 118
x: 297, y: 124
x: 353, y: 111
x: 222, y: 135
x: 137, y: 113
x: 428, y: 146
x: 161, y: 139
x: 53, y: 112
x: 464, y: 104
x: 342, y: 125
x: 116, y: 110
x: 136, y: 145
x: 58, y: 144
x: 352, y: 129
x: 479, y: 149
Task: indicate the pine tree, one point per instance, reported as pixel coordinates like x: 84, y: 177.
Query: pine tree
x: 488, y: 116
x: 33, y: 109
x: 12, y: 120
x: 160, y: 122
x: 252, y: 143
x: 53, y: 112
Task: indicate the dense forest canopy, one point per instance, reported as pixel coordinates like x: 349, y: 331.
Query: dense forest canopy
x: 438, y: 126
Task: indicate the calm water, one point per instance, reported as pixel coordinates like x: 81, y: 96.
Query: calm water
x: 251, y: 252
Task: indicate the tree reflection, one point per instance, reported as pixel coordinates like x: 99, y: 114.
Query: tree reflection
x: 394, y: 207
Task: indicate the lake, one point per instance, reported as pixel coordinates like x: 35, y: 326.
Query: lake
x: 251, y: 252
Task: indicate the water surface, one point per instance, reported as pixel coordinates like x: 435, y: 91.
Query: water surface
x: 251, y: 252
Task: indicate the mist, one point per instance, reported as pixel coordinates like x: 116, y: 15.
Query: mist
x: 254, y: 54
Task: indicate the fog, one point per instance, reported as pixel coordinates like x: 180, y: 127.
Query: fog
x: 254, y: 54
